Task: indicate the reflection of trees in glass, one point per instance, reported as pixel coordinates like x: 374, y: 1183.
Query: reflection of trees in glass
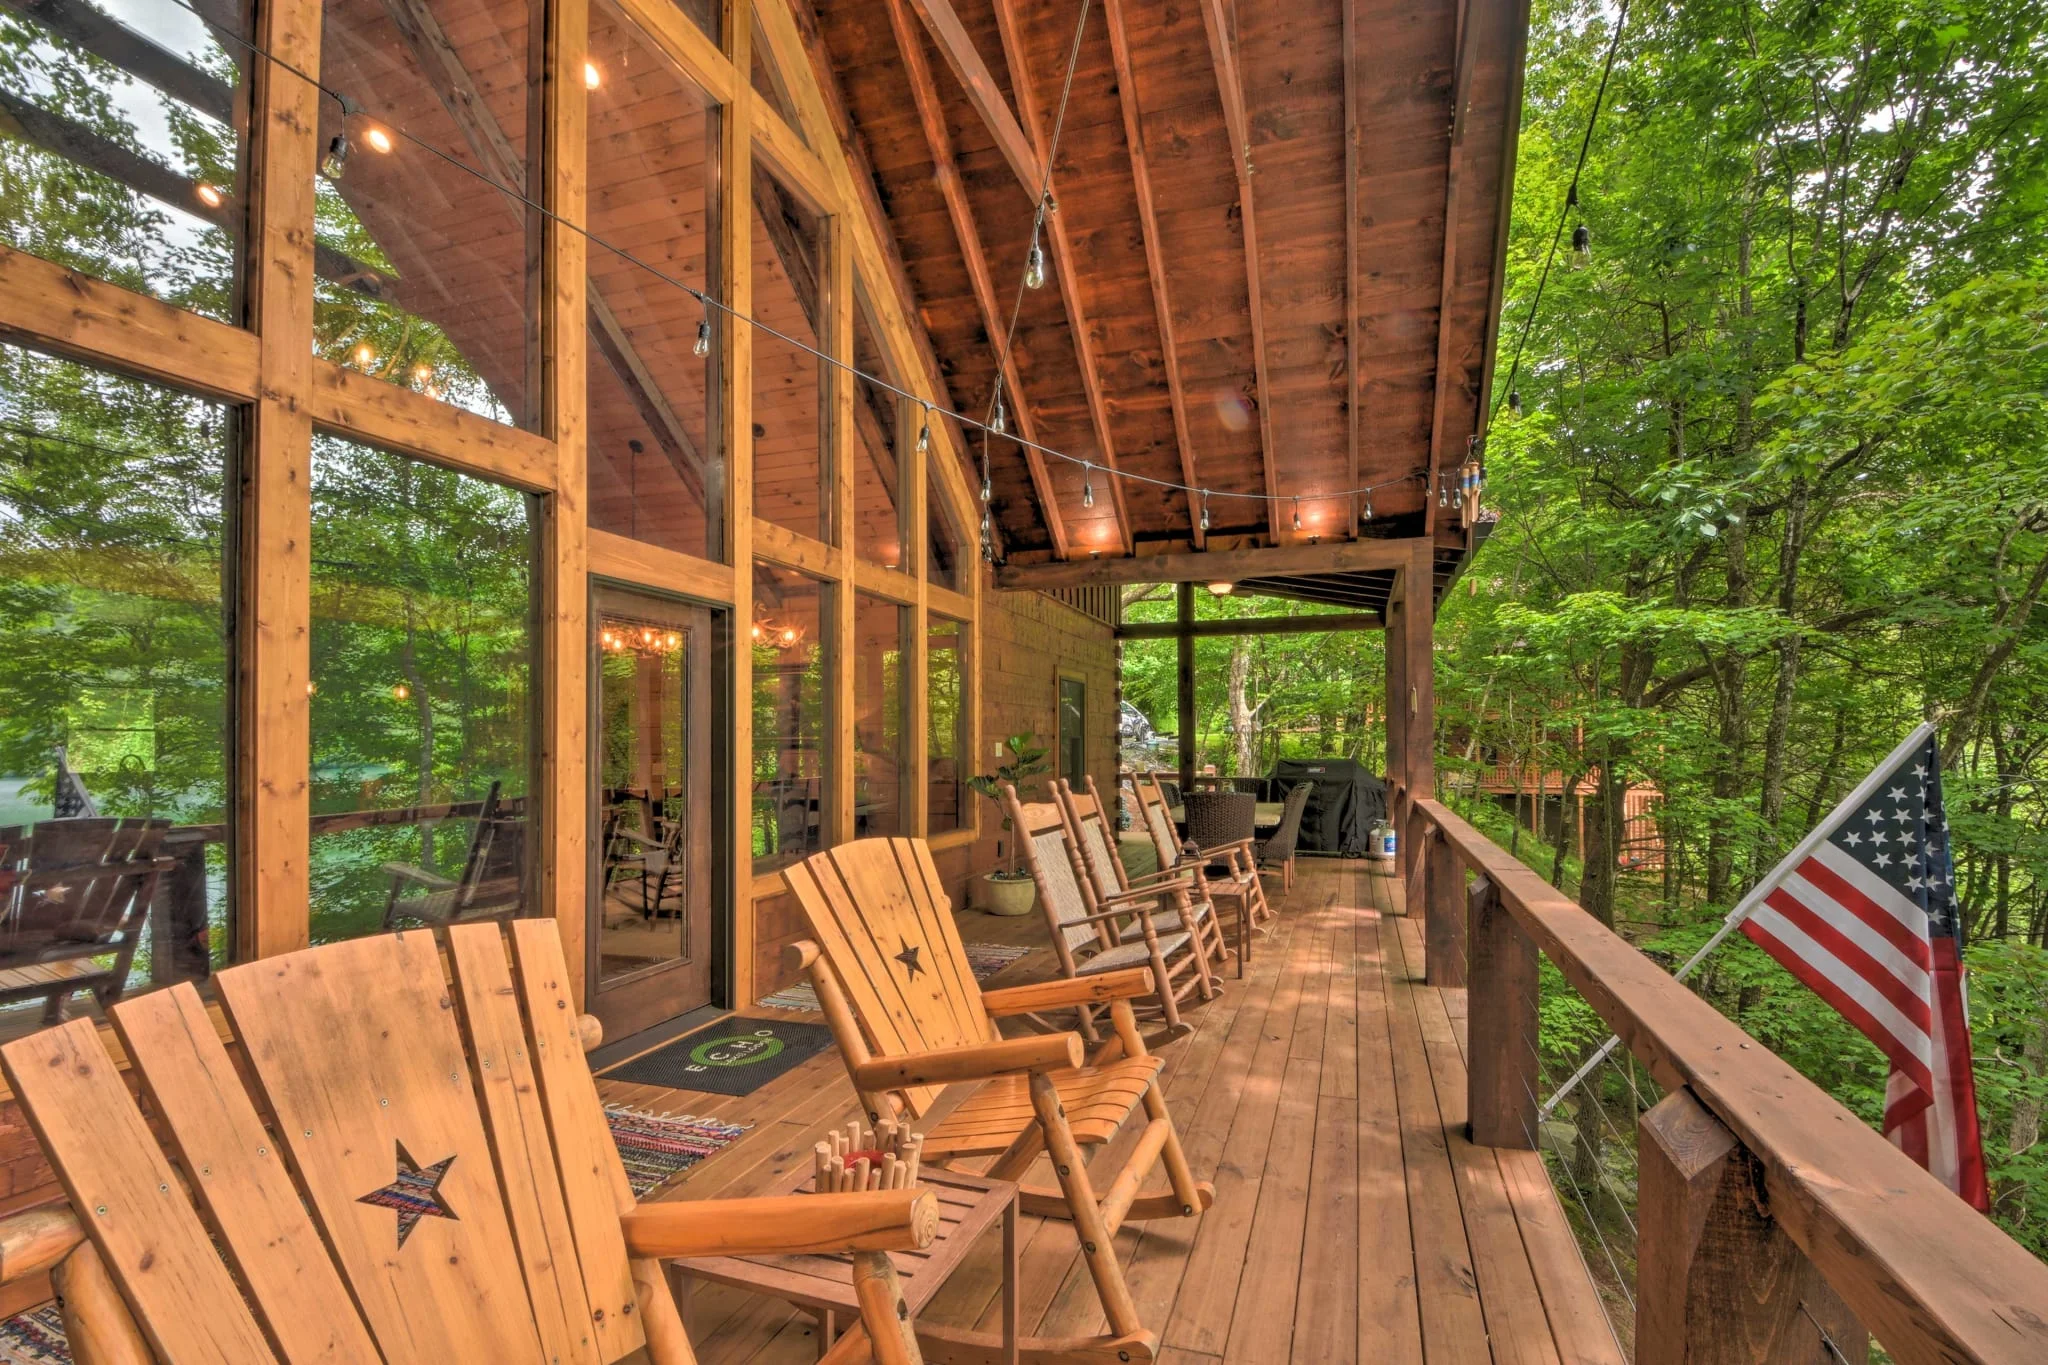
x: 111, y: 525
x: 789, y: 711
x: 422, y: 662
x: 71, y: 208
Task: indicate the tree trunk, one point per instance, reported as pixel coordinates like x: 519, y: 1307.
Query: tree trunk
x: 1243, y: 724
x: 1771, y: 803
x: 1603, y: 840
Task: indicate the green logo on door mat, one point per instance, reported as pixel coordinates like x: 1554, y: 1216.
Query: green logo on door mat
x: 741, y: 1049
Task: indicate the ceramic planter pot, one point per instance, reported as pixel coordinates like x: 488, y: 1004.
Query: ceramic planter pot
x: 999, y: 896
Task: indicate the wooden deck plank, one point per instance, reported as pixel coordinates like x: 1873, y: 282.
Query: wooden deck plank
x: 1322, y: 1093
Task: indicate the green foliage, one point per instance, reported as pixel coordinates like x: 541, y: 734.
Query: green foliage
x: 1028, y: 758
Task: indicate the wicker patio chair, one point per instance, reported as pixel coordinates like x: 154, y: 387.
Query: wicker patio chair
x: 1277, y: 852
x: 1226, y: 868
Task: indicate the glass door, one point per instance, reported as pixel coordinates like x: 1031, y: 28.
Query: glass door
x: 655, y: 846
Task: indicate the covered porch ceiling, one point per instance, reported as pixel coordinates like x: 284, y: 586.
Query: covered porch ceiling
x: 1274, y: 264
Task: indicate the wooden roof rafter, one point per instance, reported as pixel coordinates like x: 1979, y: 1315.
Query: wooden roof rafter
x: 1061, y: 248
x: 1216, y: 21
x: 1021, y: 150
x: 1461, y: 99
x: 945, y: 171
x: 1155, y: 257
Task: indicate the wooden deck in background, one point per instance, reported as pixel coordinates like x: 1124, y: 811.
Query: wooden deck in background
x: 1324, y: 1095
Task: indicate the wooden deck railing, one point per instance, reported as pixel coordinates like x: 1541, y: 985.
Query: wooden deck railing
x: 1760, y: 1198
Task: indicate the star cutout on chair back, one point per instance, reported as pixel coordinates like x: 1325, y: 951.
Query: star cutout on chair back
x: 908, y: 957
x: 415, y: 1194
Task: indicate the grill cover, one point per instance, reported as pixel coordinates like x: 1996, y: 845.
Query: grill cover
x: 1347, y: 799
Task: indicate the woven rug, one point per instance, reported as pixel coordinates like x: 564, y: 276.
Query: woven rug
x: 655, y: 1147
x: 659, y: 1147
x: 985, y: 958
x: 34, y: 1338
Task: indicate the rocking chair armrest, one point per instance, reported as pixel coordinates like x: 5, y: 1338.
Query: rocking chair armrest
x: 433, y: 881
x: 974, y: 1062
x: 1136, y: 898
x: 1235, y: 845
x: 795, y: 1224
x: 637, y: 837
x: 35, y: 1240
x: 1128, y: 984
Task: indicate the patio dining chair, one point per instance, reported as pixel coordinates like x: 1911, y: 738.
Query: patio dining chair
x: 910, y: 1020
x: 1105, y: 865
x: 1225, y: 870
x: 407, y: 1161
x: 1088, y: 929
x: 1276, y: 853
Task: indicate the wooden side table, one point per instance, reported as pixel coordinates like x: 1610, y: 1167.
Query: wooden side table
x: 823, y: 1285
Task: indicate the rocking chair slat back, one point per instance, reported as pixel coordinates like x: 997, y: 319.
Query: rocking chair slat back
x: 243, y: 1186
x: 1042, y: 828
x: 362, y: 1064
x: 108, y: 1160
x: 884, y: 923
x: 1098, y: 844
x: 1158, y: 822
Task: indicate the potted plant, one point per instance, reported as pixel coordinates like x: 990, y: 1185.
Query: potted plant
x: 1007, y: 891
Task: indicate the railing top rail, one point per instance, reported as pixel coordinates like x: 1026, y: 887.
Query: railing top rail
x: 1932, y: 1279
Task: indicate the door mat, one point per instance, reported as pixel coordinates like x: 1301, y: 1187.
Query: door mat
x: 735, y: 1056
x: 659, y: 1147
x: 986, y: 959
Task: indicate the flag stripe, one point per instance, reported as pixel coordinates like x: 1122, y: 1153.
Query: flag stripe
x: 1836, y: 935
x: 1801, y: 956
x: 1909, y: 970
x: 1897, y: 920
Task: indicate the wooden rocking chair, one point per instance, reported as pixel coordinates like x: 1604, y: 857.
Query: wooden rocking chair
x: 1104, y: 864
x: 1094, y: 933
x: 492, y: 879
x: 404, y: 1164
x: 896, y: 988
x: 1225, y: 871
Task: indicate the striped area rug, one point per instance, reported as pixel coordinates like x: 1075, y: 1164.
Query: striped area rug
x: 655, y: 1147
x: 985, y: 958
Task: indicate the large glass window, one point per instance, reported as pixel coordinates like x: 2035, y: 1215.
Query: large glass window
x: 946, y: 787
x: 656, y: 472
x: 421, y: 232
x: 788, y: 395
x: 789, y: 716
x: 1073, y: 732
x: 949, y: 553
x: 878, y: 419
x: 422, y: 690
x: 114, y: 776
x: 880, y: 714
x: 122, y: 156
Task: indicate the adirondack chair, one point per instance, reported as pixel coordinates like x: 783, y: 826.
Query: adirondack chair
x: 1104, y: 865
x: 491, y: 878
x: 1093, y: 933
x: 408, y: 1164
x: 83, y: 897
x: 894, y: 982
x: 1226, y: 873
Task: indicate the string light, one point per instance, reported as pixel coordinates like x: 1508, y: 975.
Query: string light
x: 998, y: 421
x: 1034, y: 265
x: 592, y: 77
x: 210, y: 196
x: 379, y: 140
x: 1087, y: 484
x: 1297, y: 513
x: 336, y: 161
x: 1368, y: 504
x: 703, y: 346
x: 1515, y: 404
x: 924, y: 431
x: 1582, y: 247
x: 1205, y: 509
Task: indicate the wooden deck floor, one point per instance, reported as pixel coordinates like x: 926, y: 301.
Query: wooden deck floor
x: 1324, y: 1095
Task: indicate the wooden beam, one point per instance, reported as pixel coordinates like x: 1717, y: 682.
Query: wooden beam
x: 1252, y: 625
x: 104, y: 36
x: 364, y: 408
x: 1215, y: 566
x: 835, y: 328
x: 1354, y: 208
x: 733, y: 267
x: 1461, y: 99
x: 938, y: 139
x: 273, y: 644
x: 56, y: 309
x: 1223, y: 55
x: 1502, y: 1071
x: 1418, y: 645
x: 1155, y: 259
x: 679, y: 39
x: 958, y: 49
x: 1184, y: 681
x: 558, y: 113
x: 636, y: 562
x: 1062, y: 250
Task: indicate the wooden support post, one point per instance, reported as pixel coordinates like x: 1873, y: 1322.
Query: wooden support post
x: 842, y: 645
x: 1718, y: 1282
x: 1397, y: 731
x: 1185, y: 698
x: 1443, y: 930
x: 1501, y: 1074
x: 733, y: 283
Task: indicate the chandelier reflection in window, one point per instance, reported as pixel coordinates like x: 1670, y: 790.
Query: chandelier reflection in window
x: 637, y: 637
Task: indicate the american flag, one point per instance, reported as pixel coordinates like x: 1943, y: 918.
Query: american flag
x: 1864, y: 911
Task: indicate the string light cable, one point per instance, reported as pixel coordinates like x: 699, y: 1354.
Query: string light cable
x: 994, y: 426
x: 1581, y: 237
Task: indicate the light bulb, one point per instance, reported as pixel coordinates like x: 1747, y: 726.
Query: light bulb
x: 379, y: 140
x: 1222, y: 589
x: 592, y: 77
x: 1582, y: 247
x: 401, y: 691
x: 336, y: 160
x: 999, y: 423
x: 1443, y: 493
x: 1205, y: 509
x: 703, y: 346
x: 924, y: 433
x: 365, y: 355
x: 210, y: 196
x: 1087, y: 485
x: 312, y: 689
x: 788, y: 636
x: 987, y: 491
x: 422, y: 373
x: 1515, y: 403
x: 1297, y: 514
x: 1034, y: 267
x: 1368, y: 504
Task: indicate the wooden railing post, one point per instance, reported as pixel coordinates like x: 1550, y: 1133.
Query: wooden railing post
x: 1717, y: 1280
x: 1443, y: 927
x: 1501, y: 1074
x: 1414, y: 836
